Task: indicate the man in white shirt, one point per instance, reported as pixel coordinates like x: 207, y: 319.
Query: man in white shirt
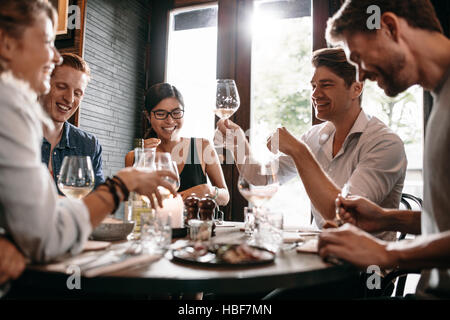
x: 350, y: 147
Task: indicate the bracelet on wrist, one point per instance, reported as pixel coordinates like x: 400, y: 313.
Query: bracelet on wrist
x: 122, y: 187
x: 111, y: 184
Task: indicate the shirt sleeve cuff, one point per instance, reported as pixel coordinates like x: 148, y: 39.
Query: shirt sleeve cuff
x: 80, y: 214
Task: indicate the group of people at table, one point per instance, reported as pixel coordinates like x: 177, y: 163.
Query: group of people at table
x: 40, y: 89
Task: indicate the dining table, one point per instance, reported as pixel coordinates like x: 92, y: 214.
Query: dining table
x: 290, y: 268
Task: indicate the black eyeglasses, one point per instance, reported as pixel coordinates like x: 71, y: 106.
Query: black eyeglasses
x: 163, y: 114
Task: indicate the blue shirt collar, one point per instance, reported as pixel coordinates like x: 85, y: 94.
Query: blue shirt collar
x: 65, y: 138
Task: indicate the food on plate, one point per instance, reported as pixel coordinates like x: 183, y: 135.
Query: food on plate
x: 242, y: 253
x: 194, y: 251
x: 219, y: 254
x: 200, y: 249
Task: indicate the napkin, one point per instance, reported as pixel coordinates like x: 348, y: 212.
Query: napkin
x: 227, y: 224
x: 309, y: 246
x: 96, y: 245
x: 302, y: 229
x: 292, y: 237
x: 132, y: 261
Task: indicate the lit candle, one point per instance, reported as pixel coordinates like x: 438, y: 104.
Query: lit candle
x: 173, y: 207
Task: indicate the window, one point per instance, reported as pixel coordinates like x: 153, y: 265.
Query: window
x: 280, y: 87
x: 404, y: 115
x: 191, y: 65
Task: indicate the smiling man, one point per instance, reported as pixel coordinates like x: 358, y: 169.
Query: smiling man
x: 68, y: 84
x: 350, y: 147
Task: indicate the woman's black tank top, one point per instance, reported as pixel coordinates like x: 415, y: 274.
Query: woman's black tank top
x: 192, y: 174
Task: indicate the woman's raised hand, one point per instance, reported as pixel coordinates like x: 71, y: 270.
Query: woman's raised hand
x: 151, y: 142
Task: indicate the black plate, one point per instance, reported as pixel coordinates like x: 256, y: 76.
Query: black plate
x: 211, y: 258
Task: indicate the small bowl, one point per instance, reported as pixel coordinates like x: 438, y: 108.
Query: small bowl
x: 113, y: 231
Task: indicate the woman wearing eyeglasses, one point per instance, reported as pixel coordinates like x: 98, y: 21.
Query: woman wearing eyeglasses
x: 196, y: 158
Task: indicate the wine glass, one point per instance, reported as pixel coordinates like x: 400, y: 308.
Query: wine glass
x: 172, y: 205
x: 163, y: 161
x: 175, y: 170
x: 258, y: 181
x: 76, y: 178
x: 227, y: 102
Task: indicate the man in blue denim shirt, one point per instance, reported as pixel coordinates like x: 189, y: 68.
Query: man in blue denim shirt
x: 68, y: 83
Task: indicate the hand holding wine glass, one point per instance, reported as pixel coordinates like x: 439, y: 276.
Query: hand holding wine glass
x: 76, y: 178
x: 227, y: 102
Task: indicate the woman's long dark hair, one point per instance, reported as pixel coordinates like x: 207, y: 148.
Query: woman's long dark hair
x: 155, y: 95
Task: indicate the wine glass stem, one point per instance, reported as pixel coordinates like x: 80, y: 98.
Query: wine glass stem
x: 258, y: 212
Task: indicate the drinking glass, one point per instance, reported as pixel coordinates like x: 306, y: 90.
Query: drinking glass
x: 258, y: 183
x: 145, y: 158
x: 156, y: 234
x: 218, y: 216
x: 139, y: 206
x: 227, y: 102
x: 270, y: 231
x: 163, y: 161
x: 200, y: 230
x: 76, y: 178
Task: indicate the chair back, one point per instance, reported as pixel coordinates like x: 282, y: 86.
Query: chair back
x: 407, y: 200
